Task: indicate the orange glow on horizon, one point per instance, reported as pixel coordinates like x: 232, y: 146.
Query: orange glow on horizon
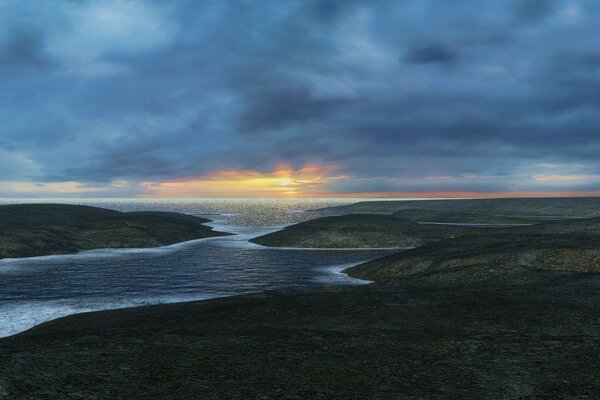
x: 282, y: 182
x: 309, y: 181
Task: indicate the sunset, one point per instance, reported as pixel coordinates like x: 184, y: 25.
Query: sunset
x: 498, y: 98
x: 311, y: 180
x: 299, y: 199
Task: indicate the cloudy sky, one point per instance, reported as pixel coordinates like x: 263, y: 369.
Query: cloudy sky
x: 246, y: 98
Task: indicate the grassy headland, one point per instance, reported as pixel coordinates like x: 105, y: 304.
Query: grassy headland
x: 28, y: 230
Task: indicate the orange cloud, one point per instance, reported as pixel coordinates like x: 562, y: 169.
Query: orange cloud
x: 284, y: 181
x: 560, y: 178
x: 45, y: 187
x: 312, y: 180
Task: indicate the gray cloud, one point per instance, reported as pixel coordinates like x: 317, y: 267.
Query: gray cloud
x: 23, y: 50
x: 533, y: 10
x: 431, y: 53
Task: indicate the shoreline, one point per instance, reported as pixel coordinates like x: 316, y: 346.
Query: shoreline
x: 321, y: 284
x: 410, y: 336
x: 112, y: 251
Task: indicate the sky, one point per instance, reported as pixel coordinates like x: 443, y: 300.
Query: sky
x: 299, y: 98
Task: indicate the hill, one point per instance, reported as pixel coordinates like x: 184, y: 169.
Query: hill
x: 487, y: 255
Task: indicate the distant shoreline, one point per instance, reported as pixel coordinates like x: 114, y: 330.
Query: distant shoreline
x: 30, y: 230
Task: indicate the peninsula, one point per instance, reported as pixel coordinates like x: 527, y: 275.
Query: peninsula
x: 28, y: 230
x: 407, y: 224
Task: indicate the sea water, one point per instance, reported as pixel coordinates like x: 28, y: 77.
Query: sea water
x: 35, y: 290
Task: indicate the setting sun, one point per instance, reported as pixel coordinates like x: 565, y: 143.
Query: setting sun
x: 284, y: 181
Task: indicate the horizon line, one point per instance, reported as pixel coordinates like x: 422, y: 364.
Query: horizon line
x: 360, y: 196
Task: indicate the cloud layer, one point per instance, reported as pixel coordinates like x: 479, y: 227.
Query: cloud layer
x: 120, y: 98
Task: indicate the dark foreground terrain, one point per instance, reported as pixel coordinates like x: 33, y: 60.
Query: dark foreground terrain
x: 515, y: 334
x: 482, y: 316
x: 28, y: 230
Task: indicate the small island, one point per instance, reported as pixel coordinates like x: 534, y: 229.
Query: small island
x: 28, y: 230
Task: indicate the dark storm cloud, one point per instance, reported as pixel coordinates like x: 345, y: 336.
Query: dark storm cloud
x: 431, y: 53
x: 401, y: 96
x: 277, y: 108
x: 533, y: 10
x: 23, y: 50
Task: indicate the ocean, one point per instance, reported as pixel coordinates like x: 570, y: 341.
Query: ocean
x: 35, y: 290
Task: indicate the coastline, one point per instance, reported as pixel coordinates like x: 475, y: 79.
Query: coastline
x: 321, y: 282
x: 29, y: 230
x: 111, y: 251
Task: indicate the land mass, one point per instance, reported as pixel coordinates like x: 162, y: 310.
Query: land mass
x: 366, y: 231
x: 28, y: 230
x: 534, y: 207
x: 486, y: 315
x: 400, y: 225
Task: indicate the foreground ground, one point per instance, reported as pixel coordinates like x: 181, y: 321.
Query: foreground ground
x: 535, y: 335
x: 28, y: 230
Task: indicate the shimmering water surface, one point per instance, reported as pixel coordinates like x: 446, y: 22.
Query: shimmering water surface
x: 38, y: 289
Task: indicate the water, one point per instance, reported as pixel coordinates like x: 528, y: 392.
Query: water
x: 38, y: 289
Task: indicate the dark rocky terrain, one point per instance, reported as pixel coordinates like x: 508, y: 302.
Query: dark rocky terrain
x: 411, y: 227
x: 513, y: 334
x: 28, y: 230
x: 496, y: 314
